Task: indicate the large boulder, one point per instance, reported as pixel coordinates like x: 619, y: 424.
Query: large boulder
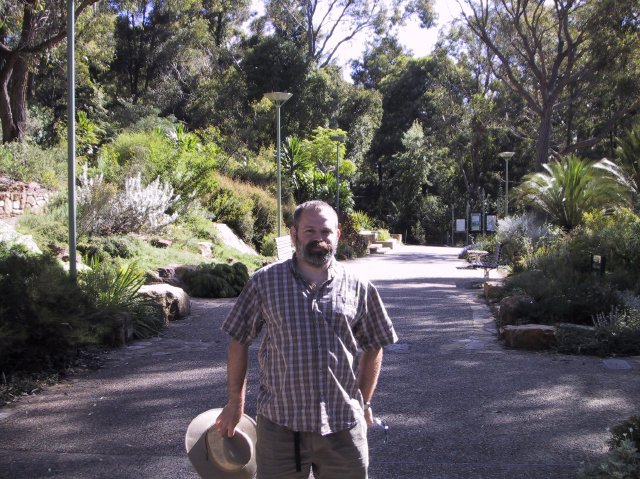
x: 175, y: 303
x: 513, y: 310
x: 529, y: 336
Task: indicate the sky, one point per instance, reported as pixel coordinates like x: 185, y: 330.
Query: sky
x: 411, y: 36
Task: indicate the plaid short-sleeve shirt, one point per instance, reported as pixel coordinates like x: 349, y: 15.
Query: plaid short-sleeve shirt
x: 311, y: 338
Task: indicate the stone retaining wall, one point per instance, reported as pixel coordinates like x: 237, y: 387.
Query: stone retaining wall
x: 17, y: 197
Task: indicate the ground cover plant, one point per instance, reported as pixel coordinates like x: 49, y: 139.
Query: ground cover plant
x: 623, y: 460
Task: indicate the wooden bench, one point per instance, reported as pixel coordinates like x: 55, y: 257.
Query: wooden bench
x: 488, y: 262
x: 284, y: 247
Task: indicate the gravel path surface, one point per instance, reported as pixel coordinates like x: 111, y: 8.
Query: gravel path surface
x: 457, y: 403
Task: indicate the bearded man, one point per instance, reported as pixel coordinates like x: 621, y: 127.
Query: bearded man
x: 314, y: 403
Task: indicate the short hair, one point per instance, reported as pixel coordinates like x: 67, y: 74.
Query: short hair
x: 313, y: 205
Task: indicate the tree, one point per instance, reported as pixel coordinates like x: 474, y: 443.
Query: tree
x: 325, y: 27
x: 28, y: 29
x: 572, y: 186
x: 377, y: 62
x: 542, y: 49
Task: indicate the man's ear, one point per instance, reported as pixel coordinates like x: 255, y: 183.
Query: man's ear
x: 293, y: 233
x: 338, y: 233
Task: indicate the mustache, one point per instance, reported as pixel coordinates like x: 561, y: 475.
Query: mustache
x: 322, y: 244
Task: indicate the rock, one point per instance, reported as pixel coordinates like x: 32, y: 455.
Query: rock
x: 117, y: 327
x: 172, y: 274
x: 206, y: 248
x: 174, y: 301
x: 513, y: 309
x: 161, y: 242
x: 529, y: 336
x: 9, y: 235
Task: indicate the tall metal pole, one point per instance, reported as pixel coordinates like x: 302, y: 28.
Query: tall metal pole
x: 338, y: 179
x: 279, y: 98
x: 338, y: 139
x: 506, y: 187
x: 506, y: 156
x: 71, y: 136
x: 279, y: 177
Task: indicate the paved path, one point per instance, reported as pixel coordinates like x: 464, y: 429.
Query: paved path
x: 457, y: 403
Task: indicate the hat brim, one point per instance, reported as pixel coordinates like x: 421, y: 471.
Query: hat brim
x: 196, y: 446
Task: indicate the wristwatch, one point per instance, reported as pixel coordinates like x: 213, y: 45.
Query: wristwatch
x: 367, y: 405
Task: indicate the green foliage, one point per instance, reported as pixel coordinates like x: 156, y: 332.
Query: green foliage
x: 628, y: 154
x: 49, y: 228
x: 563, y: 287
x: 268, y: 247
x: 217, y: 280
x: 27, y: 162
x: 112, y: 287
x: 44, y: 316
x: 573, y: 186
x: 136, y: 209
x: 248, y: 210
x: 361, y: 220
x: 522, y: 235
x: 618, y: 331
x: 617, y: 237
x: 351, y: 244
x: 623, y: 461
x: 626, y: 430
x: 102, y: 248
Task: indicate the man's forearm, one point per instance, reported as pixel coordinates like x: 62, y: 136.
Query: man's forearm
x: 237, y: 360
x: 368, y: 372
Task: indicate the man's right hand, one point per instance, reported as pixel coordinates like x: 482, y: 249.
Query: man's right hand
x: 229, y: 419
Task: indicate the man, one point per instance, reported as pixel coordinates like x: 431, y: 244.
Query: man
x: 313, y: 404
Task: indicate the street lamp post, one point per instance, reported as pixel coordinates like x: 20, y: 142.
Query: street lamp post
x: 338, y: 139
x: 506, y: 156
x: 279, y: 98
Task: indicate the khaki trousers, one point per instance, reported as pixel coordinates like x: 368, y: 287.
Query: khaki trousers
x: 340, y: 455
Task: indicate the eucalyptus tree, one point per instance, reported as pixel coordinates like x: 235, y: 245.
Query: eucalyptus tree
x: 322, y: 28
x: 28, y: 29
x: 571, y: 186
x: 378, y: 60
x: 543, y: 50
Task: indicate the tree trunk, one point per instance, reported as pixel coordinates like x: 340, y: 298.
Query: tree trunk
x: 14, y: 85
x: 19, y: 85
x: 6, y: 116
x: 543, y: 137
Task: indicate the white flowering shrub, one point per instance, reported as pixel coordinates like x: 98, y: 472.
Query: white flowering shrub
x: 136, y: 209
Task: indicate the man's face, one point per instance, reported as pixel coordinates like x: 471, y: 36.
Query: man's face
x: 316, y: 237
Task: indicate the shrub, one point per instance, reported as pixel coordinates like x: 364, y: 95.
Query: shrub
x: 217, y: 280
x: 28, y: 162
x: 629, y: 430
x: 361, y: 220
x: 521, y: 235
x: 114, y: 288
x: 136, y: 209
x: 619, y: 331
x: 352, y: 244
x: 268, y: 247
x: 44, y: 314
x: 107, y: 247
x: 50, y: 227
x: 623, y: 460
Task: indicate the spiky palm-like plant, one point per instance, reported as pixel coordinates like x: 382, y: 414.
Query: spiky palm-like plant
x: 628, y: 155
x: 570, y: 187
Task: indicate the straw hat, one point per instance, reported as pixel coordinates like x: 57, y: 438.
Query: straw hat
x: 216, y: 457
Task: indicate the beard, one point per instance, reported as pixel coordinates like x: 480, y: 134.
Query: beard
x: 317, y: 253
